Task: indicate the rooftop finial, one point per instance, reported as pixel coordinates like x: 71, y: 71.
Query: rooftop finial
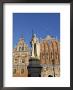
x: 22, y: 36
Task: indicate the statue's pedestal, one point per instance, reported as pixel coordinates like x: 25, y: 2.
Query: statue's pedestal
x: 34, y: 68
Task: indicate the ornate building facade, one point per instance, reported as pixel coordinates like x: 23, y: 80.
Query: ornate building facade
x: 47, y: 50
x: 21, y: 56
x: 50, y: 57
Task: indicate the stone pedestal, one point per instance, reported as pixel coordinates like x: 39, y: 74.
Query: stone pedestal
x: 34, y: 68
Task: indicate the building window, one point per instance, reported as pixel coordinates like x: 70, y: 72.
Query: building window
x: 22, y: 71
x: 15, y: 61
x: 19, y: 48
x: 14, y: 71
x: 23, y: 61
x: 50, y: 76
x: 22, y: 48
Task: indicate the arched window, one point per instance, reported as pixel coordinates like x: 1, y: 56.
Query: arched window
x: 23, y: 61
x: 50, y: 76
x: 22, y: 48
x: 16, y: 60
x: 19, y: 48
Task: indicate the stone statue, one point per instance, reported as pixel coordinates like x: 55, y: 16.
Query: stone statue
x: 35, y: 47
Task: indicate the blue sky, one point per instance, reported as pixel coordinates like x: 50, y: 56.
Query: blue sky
x: 42, y: 24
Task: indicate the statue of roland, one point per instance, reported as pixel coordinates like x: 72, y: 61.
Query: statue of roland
x: 35, y: 47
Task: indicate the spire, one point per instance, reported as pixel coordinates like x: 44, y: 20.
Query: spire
x: 22, y: 37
